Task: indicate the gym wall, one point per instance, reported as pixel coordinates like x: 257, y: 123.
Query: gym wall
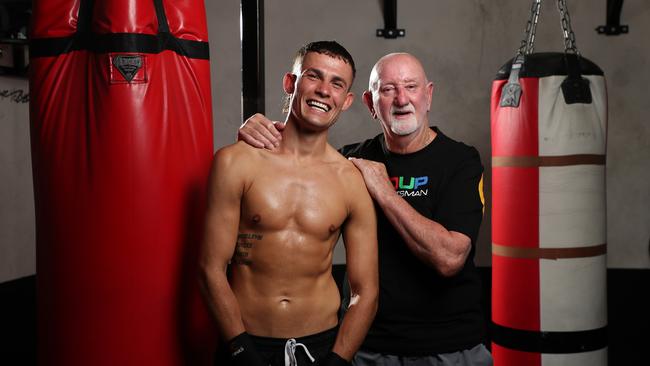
x: 461, y: 43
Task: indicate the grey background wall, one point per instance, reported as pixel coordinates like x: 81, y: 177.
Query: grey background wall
x: 16, y: 196
x: 461, y: 43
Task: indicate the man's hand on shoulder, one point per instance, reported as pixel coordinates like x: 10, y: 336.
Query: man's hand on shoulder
x: 261, y: 132
x: 375, y: 176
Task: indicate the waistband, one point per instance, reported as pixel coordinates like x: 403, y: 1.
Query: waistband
x: 321, y: 339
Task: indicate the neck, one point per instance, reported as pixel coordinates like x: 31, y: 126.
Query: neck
x: 410, y: 143
x: 301, y: 142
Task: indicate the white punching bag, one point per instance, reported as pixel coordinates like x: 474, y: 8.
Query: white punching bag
x: 549, y: 124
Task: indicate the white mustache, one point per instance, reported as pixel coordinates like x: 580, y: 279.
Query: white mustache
x: 407, y: 109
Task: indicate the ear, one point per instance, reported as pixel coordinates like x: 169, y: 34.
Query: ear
x: 349, y: 98
x: 367, y: 100
x: 289, y: 83
x: 429, y: 95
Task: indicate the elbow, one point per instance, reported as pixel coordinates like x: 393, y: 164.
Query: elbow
x: 452, y: 260
x: 366, y: 299
x: 371, y: 304
x: 205, y: 277
x: 451, y: 267
x: 451, y: 264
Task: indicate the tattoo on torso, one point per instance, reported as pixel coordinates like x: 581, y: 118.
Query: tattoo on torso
x: 244, y: 247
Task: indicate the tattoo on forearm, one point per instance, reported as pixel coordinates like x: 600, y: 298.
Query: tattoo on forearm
x: 244, y: 247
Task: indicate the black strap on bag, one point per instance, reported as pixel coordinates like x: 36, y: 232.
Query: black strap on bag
x: 575, y: 88
x: 85, y: 39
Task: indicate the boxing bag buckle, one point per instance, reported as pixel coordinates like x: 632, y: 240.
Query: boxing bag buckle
x: 512, y: 90
x: 575, y: 88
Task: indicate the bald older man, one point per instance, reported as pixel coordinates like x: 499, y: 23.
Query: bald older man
x: 429, y: 189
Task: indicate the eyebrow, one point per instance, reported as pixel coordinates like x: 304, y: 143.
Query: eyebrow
x: 320, y: 74
x: 399, y: 82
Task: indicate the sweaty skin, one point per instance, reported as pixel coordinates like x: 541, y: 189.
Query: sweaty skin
x: 275, y: 216
x: 282, y: 265
x: 398, y: 91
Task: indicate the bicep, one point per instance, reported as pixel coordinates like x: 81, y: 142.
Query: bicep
x: 222, y: 215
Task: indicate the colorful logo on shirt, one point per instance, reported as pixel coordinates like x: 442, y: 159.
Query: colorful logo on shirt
x: 409, y: 187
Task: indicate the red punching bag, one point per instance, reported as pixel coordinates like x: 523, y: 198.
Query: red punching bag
x: 549, y: 121
x: 121, y: 147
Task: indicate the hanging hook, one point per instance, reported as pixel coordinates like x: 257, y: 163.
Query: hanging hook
x: 390, y: 21
x: 613, y: 26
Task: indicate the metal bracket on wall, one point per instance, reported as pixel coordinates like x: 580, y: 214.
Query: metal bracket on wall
x: 390, y: 21
x: 613, y: 26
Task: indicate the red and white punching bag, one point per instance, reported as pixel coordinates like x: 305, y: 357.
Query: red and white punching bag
x: 121, y: 147
x: 549, y: 124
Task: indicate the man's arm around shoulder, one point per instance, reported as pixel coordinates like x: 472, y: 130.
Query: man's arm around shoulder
x: 442, y: 249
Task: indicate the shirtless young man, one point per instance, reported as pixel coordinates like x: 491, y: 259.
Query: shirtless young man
x: 275, y: 216
x: 429, y: 300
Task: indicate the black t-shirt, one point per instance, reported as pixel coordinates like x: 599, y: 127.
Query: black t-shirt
x: 420, y: 312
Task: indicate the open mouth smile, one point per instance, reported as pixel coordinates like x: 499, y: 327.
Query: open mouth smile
x: 318, y: 105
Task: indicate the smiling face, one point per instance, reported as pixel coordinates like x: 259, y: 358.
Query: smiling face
x: 400, y: 94
x: 319, y: 89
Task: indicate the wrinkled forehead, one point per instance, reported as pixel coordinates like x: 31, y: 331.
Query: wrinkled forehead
x: 396, y: 69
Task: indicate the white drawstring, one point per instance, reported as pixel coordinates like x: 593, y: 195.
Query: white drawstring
x: 290, y: 352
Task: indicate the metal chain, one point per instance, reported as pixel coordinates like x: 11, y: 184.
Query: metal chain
x: 567, y: 31
x: 527, y: 44
x: 511, y: 93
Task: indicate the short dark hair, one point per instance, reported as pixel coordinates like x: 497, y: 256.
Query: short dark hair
x: 329, y: 48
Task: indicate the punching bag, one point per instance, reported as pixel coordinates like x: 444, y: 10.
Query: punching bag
x: 548, y: 124
x: 121, y: 130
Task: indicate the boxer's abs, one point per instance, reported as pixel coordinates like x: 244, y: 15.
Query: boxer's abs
x: 285, y: 289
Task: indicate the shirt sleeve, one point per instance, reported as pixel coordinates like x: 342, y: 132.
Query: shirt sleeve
x: 461, y: 205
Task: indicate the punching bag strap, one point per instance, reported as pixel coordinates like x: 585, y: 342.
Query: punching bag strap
x: 163, y: 25
x: 43, y: 47
x: 85, y: 39
x: 575, y: 88
x: 512, y: 90
x: 166, y: 41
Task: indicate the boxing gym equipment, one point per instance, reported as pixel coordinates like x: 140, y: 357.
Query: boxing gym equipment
x: 548, y: 120
x: 121, y: 147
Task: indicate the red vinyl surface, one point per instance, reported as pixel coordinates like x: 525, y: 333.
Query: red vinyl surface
x: 515, y: 211
x: 120, y: 171
x: 507, y: 356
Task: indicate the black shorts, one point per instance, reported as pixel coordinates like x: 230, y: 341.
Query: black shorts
x: 272, y: 349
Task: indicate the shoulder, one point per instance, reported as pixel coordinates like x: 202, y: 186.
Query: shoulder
x: 458, y: 151
x: 236, y: 156
x: 341, y: 164
x: 346, y: 172
x: 361, y: 149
